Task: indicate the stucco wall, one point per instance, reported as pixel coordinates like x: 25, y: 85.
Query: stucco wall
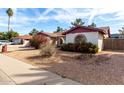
x: 93, y: 37
x: 100, y: 41
x: 26, y: 43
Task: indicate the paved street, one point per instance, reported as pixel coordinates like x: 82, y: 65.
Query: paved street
x: 4, y: 79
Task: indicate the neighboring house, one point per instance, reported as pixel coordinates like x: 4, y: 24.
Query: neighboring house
x: 24, y: 39
x: 117, y: 36
x: 56, y: 37
x: 121, y: 36
x: 88, y: 34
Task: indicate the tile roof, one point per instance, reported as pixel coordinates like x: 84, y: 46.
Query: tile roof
x: 103, y: 30
x: 57, y: 34
x: 26, y: 37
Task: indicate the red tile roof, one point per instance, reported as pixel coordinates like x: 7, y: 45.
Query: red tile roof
x: 102, y: 30
x: 26, y: 37
x: 57, y: 34
x: 106, y: 29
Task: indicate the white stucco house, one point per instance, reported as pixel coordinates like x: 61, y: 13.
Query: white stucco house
x: 90, y: 34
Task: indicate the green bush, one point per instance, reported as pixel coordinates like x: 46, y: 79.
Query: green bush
x: 83, y: 47
x: 47, y: 50
x: 8, y: 35
x: 34, y: 43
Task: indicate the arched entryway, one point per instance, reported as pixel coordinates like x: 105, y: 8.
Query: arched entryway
x: 80, y: 38
x: 60, y: 41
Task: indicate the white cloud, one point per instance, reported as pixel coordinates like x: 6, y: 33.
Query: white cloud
x: 69, y: 14
x: 92, y: 16
x: 3, y: 25
x: 47, y: 11
x: 119, y: 14
x: 66, y: 15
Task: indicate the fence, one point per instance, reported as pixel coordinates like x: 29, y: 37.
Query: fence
x: 114, y: 44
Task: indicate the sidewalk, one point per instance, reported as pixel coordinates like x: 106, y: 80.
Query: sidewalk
x: 25, y: 74
x: 5, y: 80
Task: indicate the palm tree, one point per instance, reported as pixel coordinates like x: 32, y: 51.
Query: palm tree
x: 10, y: 14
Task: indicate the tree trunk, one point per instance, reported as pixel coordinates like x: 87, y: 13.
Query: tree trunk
x: 8, y: 24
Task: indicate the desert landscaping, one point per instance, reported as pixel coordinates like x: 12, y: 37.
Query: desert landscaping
x: 103, y: 68
x: 79, y: 52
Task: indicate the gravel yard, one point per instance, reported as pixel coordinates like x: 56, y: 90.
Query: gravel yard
x: 104, y: 68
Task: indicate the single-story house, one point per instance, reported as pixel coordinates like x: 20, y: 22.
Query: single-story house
x: 88, y: 34
x: 117, y: 36
x: 23, y: 39
x: 57, y: 38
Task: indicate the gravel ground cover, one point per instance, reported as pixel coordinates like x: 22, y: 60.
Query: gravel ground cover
x: 104, y: 68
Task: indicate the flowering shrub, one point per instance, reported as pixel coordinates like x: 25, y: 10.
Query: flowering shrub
x: 38, y: 40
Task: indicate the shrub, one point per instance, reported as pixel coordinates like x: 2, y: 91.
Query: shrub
x: 38, y: 40
x: 8, y: 35
x: 47, y: 50
x: 34, y: 43
x: 83, y: 47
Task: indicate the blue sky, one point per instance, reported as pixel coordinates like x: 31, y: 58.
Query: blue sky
x: 47, y: 19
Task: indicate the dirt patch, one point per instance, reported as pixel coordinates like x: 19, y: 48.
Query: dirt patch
x: 103, y: 68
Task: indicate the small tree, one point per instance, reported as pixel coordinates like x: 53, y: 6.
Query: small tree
x: 41, y: 31
x: 8, y: 35
x: 11, y: 34
x: 92, y: 25
x: 33, y: 32
x: 121, y: 31
x: 77, y: 22
x: 4, y: 36
x: 1, y: 35
x: 59, y: 29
